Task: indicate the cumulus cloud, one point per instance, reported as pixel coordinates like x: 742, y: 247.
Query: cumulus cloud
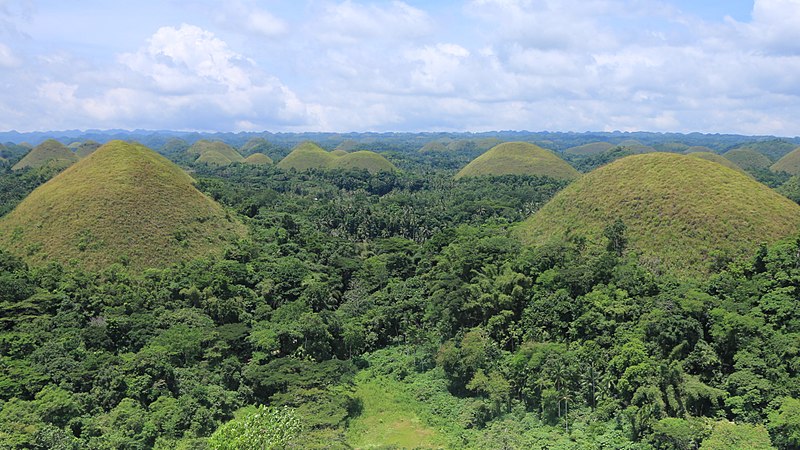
x: 350, y: 22
x: 249, y: 18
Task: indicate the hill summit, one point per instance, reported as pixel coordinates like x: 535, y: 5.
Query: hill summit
x: 519, y: 158
x: 49, y: 153
x: 680, y: 213
x: 123, y: 203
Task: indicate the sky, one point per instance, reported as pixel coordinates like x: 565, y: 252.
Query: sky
x: 724, y: 66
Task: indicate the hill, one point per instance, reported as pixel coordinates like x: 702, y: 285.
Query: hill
x: 748, y: 159
x: 224, y: 153
x: 699, y: 149
x: 460, y: 145
x: 719, y: 159
x: 520, y: 158
x: 790, y: 163
x: 124, y: 202
x: 773, y: 149
x: 255, y: 145
x: 339, y: 152
x: 635, y: 146
x: 592, y: 148
x: 50, y: 153
x: 679, y: 212
x: 363, y: 159
x: 306, y: 155
x: 86, y: 148
x: 258, y: 159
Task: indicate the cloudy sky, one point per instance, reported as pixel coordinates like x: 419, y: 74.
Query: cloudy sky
x: 356, y: 65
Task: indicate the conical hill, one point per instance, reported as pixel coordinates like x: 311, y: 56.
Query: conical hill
x: 215, y: 153
x: 519, y: 158
x: 50, y: 153
x: 123, y: 203
x: 258, y: 159
x: 680, y: 212
x: 306, y: 155
x: 86, y: 148
x: 592, y: 148
x: 790, y: 163
x: 748, y: 159
x: 363, y: 159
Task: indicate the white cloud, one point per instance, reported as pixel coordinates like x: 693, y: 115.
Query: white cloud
x: 7, y: 57
x: 350, y: 22
x: 249, y: 18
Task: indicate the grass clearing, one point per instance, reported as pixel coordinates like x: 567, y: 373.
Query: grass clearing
x: 388, y: 418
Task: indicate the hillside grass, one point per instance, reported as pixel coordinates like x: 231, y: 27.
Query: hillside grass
x: 713, y: 157
x: 388, y: 417
x: 519, y: 158
x: 790, y: 163
x: 123, y: 203
x: 86, y: 148
x: 369, y: 161
x: 698, y: 149
x: 49, y: 153
x: 680, y: 212
x: 748, y: 159
x: 213, y: 158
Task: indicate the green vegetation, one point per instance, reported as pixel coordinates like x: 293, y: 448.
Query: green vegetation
x: 471, y: 146
x: 49, y: 153
x: 258, y: 159
x: 519, y: 158
x: 400, y: 309
x: 214, y: 153
x: 634, y: 146
x: 123, y: 203
x: 338, y: 152
x: 773, y: 149
x: 748, y: 159
x: 86, y: 148
x: 713, y: 157
x: 592, y: 148
x: 790, y: 163
x: 680, y: 213
x: 308, y: 155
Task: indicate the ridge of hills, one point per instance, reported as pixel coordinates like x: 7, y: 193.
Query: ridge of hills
x: 85, y: 149
x: 309, y: 155
x: 680, y: 213
x: 123, y: 203
x: 50, y: 153
x: 519, y: 158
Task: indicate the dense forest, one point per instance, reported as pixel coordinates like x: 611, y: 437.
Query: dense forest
x: 398, y: 310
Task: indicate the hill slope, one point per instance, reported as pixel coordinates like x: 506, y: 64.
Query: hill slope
x: 86, y: 148
x: 592, y: 148
x: 679, y: 211
x: 49, y: 153
x: 519, y: 158
x: 124, y: 202
x: 748, y: 159
x: 790, y: 163
x: 363, y: 159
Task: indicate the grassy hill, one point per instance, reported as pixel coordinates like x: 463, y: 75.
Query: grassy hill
x: 86, y: 148
x: 50, y: 153
x: 592, y: 148
x: 224, y: 153
x: 790, y: 163
x: 363, y: 159
x: 123, y: 203
x: 748, y: 159
x: 773, y: 149
x: 519, y: 158
x: 635, y: 146
x: 306, y: 155
x: 258, y: 159
x: 719, y: 159
x: 460, y: 145
x: 680, y: 212
x: 338, y: 152
x: 698, y: 149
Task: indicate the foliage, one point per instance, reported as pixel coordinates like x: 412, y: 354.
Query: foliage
x: 257, y: 429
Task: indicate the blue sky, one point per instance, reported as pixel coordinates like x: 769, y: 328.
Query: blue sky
x: 357, y: 65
